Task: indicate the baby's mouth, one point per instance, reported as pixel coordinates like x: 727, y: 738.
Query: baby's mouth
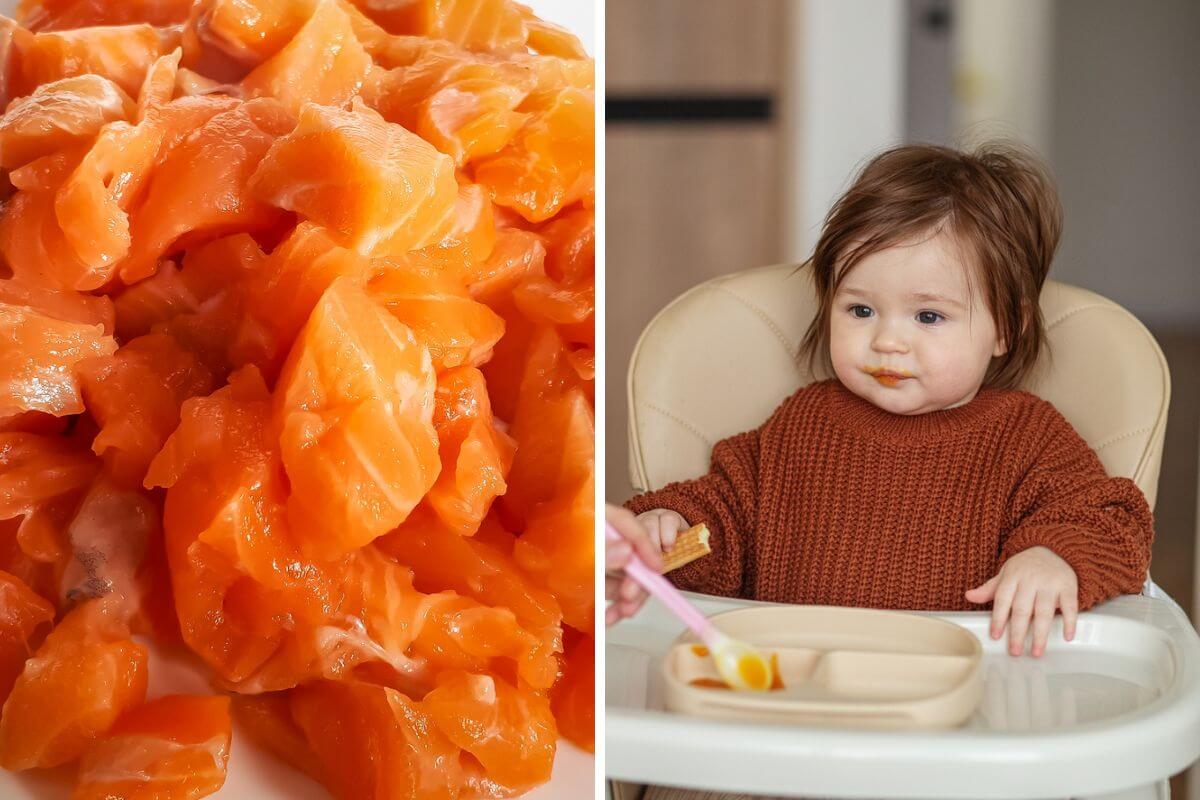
x: 887, y: 377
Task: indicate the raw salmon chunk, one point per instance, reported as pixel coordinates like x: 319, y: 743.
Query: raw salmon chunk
x: 355, y: 409
x: 175, y: 746
x: 574, y: 696
x: 325, y: 63
x: 378, y: 187
x: 41, y: 15
x: 548, y: 166
x: 247, y: 31
x: 120, y: 53
x: 37, y: 365
x: 457, y: 330
x: 490, y: 25
x: 25, y: 613
x: 216, y: 162
x: 374, y: 743
x: 281, y: 294
x: 476, y: 455
x: 83, y: 677
x: 58, y: 115
x: 511, y: 731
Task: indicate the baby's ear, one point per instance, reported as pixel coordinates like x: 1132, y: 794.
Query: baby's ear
x: 1000, y: 349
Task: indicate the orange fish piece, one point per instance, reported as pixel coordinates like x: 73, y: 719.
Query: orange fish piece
x: 48, y: 15
x: 208, y: 270
x: 557, y: 548
x: 457, y: 330
x: 25, y: 614
x: 549, y: 164
x: 324, y: 63
x: 374, y: 743
x: 37, y: 363
x: 443, y: 560
x: 135, y: 395
x: 473, y: 114
x: 58, y: 115
x: 354, y: 404
x: 487, y: 25
x: 58, y: 303
x: 511, y: 731
x: 159, y: 86
x: 83, y: 677
x: 121, y: 53
x: 267, y: 720
x: 380, y: 189
x: 476, y: 456
x: 573, y: 698
x: 282, y: 293
x: 247, y: 31
x: 175, y: 746
x: 215, y: 162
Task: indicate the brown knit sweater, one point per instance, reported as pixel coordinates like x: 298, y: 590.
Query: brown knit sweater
x: 834, y: 501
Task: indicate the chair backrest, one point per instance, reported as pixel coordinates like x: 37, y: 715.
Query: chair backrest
x: 722, y: 356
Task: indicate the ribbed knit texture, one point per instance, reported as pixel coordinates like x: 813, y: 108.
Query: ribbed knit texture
x: 834, y: 501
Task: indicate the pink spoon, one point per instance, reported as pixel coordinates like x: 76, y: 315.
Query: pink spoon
x: 740, y: 664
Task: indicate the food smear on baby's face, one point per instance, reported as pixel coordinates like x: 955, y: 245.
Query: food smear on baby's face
x: 300, y: 298
x: 887, y: 377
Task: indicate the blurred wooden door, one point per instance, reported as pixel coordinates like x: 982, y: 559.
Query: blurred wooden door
x: 694, y: 183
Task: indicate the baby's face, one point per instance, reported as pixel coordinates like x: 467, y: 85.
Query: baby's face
x: 905, y: 332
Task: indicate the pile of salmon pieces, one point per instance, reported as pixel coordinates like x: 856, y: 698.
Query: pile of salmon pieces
x: 297, y: 379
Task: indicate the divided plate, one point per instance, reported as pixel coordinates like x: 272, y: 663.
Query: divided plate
x: 838, y: 666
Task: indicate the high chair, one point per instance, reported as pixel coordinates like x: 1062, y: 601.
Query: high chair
x: 1112, y: 714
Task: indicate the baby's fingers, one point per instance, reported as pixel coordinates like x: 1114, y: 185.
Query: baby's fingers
x: 984, y: 592
x: 1022, y: 611
x: 1043, y: 618
x: 1069, y: 601
x: 651, y: 523
x: 1001, y: 607
x: 668, y: 530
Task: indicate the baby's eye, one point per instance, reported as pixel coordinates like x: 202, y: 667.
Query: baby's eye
x: 862, y: 312
x: 929, y: 317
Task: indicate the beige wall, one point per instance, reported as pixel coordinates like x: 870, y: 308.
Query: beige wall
x: 1126, y: 151
x: 685, y: 202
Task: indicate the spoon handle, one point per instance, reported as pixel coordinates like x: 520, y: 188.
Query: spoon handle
x: 667, y: 594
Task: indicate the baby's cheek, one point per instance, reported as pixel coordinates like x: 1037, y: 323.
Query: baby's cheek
x: 948, y: 373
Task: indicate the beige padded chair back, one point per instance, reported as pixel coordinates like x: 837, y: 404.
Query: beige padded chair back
x: 721, y: 357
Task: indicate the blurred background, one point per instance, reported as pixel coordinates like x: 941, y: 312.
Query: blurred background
x: 731, y: 128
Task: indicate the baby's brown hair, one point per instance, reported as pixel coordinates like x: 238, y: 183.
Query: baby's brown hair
x: 998, y: 201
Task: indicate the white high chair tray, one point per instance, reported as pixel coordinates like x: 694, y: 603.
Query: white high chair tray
x: 1115, y: 709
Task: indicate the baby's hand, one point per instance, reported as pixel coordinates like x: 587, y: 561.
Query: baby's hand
x: 624, y: 594
x: 1031, y: 584
x: 663, y: 525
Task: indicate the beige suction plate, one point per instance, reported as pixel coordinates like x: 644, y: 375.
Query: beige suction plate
x: 847, y: 667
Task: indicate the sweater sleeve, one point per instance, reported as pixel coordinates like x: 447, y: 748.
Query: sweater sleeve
x: 1101, y: 526
x: 725, y: 501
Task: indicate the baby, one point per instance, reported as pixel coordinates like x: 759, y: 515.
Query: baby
x: 920, y: 477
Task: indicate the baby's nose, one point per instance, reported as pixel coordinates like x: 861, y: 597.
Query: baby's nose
x: 887, y: 341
